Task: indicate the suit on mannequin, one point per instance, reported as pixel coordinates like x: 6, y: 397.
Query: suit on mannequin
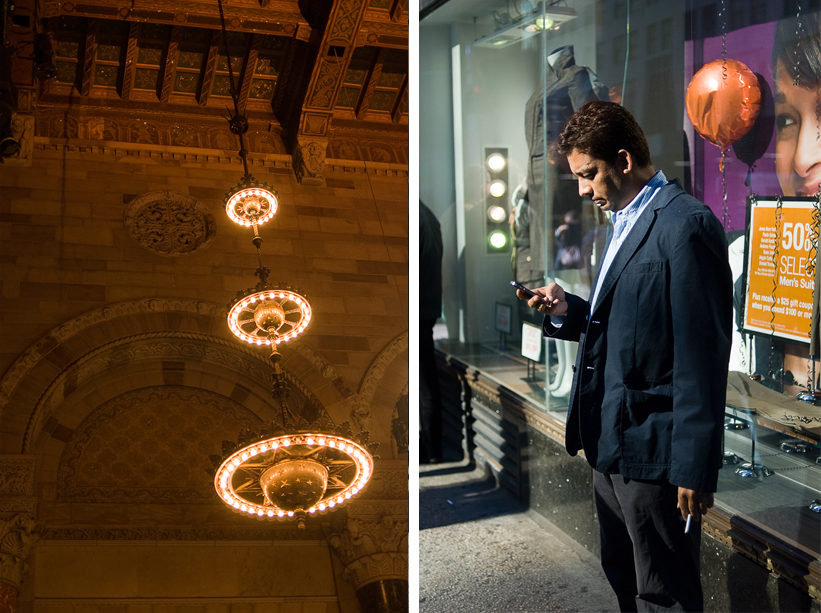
x: 566, y: 88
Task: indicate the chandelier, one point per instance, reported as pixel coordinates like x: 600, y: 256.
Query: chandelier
x: 294, y: 469
x: 292, y: 472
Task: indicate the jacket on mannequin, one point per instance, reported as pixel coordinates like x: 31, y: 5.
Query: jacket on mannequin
x: 565, y: 88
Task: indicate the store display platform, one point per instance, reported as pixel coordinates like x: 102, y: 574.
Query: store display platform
x: 779, y: 503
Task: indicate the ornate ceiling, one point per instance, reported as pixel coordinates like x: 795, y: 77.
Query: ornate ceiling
x: 157, y: 72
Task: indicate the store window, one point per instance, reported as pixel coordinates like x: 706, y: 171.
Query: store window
x: 498, y: 81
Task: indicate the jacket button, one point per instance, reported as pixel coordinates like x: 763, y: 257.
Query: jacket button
x: 573, y: 367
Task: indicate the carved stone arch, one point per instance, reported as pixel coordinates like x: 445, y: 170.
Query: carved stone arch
x: 163, y: 358
x: 30, y: 377
x: 382, y: 391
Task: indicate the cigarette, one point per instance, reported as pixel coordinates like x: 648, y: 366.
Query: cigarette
x: 687, y: 525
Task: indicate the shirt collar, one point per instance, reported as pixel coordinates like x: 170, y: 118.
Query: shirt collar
x: 631, y: 211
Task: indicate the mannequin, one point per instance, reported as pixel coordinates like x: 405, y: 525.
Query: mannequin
x: 566, y: 88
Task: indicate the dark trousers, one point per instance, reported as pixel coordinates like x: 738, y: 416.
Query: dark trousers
x: 430, y: 403
x: 649, y: 561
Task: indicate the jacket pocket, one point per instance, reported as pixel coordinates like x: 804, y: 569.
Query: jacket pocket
x: 643, y: 268
x: 647, y: 425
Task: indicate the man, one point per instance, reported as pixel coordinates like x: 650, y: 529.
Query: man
x: 647, y: 404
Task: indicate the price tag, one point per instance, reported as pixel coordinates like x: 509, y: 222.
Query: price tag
x: 531, y: 341
x: 504, y: 318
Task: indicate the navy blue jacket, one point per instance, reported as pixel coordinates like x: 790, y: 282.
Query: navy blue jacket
x: 651, y: 371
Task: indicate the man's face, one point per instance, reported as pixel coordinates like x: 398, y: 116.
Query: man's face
x: 797, y: 148
x: 599, y: 181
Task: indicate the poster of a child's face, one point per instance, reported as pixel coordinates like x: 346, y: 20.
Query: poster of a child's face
x: 790, y: 67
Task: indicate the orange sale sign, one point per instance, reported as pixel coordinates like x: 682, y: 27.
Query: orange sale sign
x: 779, y: 281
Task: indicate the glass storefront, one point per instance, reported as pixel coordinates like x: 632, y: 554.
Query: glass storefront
x: 498, y: 80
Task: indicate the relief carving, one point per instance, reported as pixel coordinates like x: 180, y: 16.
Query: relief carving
x: 346, y: 19
x: 372, y: 550
x: 309, y: 161
x: 16, y: 475
x: 144, y: 132
x: 22, y: 130
x: 102, y: 129
x: 18, y: 536
x: 330, y: 73
x: 169, y: 223
x: 382, y: 153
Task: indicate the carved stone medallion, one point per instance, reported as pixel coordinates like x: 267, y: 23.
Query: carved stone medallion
x: 169, y: 223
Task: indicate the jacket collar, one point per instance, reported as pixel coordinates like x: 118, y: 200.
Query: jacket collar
x: 631, y: 243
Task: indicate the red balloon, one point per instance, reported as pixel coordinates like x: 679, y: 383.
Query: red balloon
x: 723, y: 100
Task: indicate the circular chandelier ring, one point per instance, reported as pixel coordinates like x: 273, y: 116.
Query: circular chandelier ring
x: 224, y: 479
x: 242, y: 323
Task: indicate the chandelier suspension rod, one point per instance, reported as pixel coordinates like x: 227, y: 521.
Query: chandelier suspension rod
x: 238, y: 126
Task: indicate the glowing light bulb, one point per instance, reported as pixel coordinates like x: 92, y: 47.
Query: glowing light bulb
x: 498, y: 188
x: 496, y: 162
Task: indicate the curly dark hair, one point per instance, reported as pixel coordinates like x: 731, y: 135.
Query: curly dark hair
x: 600, y: 129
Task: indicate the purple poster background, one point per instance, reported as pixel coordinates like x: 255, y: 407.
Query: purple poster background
x: 753, y: 47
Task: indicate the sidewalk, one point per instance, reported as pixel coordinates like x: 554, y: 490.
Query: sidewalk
x: 480, y: 550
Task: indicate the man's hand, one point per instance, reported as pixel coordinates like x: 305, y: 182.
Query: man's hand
x: 691, y: 502
x: 551, y: 299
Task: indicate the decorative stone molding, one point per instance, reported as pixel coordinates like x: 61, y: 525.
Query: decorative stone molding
x: 36, y: 352
x: 389, y: 481
x: 18, y: 536
x: 16, y: 475
x: 377, y: 567
x: 400, y: 423
x: 17, y: 486
x: 12, y: 506
x: 159, y: 345
x: 309, y: 160
x: 22, y: 130
x: 372, y: 550
x: 277, y: 532
x: 169, y: 223
x: 23, y: 365
x: 375, y: 373
x: 112, y: 128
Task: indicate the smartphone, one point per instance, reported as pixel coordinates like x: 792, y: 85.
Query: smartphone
x: 529, y: 292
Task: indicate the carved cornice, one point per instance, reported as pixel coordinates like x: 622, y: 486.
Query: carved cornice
x: 18, y: 536
x: 282, y: 18
x: 284, y: 532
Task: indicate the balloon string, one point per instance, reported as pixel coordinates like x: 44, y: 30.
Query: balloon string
x: 723, y: 13
x: 796, y: 56
x: 726, y: 213
x: 778, y: 210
